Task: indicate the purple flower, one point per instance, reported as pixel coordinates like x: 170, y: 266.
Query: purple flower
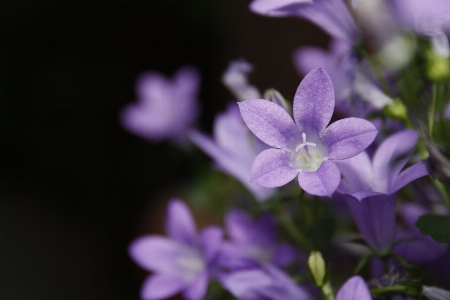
x: 166, y: 108
x: 233, y: 149
x: 235, y: 79
x: 354, y: 288
x: 306, y: 148
x: 421, y: 248
x: 184, y: 262
x: 265, y: 282
x: 332, y: 16
x: 253, y: 241
x: 346, y: 73
x: 371, y: 186
x: 429, y: 18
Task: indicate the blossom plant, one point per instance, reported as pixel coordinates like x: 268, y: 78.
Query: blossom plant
x: 360, y: 221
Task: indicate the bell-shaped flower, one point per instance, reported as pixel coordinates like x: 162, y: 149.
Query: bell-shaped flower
x: 305, y: 147
x: 166, y: 108
x: 370, y: 186
x: 233, y: 149
x: 263, y: 282
x: 333, y: 16
x: 182, y: 262
x: 354, y: 288
x: 253, y: 241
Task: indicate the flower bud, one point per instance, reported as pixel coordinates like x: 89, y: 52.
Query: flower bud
x: 316, y: 266
x: 438, y: 67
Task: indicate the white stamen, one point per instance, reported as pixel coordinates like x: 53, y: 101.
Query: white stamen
x: 304, y: 144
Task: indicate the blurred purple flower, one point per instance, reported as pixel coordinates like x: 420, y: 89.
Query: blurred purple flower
x: 422, y: 248
x: 166, y: 108
x: 354, y: 288
x: 233, y: 148
x: 429, y: 18
x: 370, y: 186
x: 235, y: 79
x: 264, y: 282
x: 307, y: 147
x: 184, y: 262
x: 333, y: 16
x: 253, y: 241
x: 348, y: 78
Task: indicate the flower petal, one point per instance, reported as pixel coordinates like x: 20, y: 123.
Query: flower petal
x: 314, y: 101
x: 356, y: 172
x: 412, y: 173
x: 354, y: 288
x: 274, y: 8
x: 243, y: 229
x: 399, y: 144
x: 198, y: 289
x: 271, y: 169
x: 179, y: 222
x: 211, y: 241
x: 348, y: 137
x: 323, y: 182
x: 269, y: 122
x: 158, y: 254
x: 161, y: 286
x: 374, y: 216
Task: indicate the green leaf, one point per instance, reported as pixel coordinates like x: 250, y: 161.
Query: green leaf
x: 437, y: 226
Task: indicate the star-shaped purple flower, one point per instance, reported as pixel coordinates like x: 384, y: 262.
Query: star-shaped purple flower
x: 181, y: 263
x: 305, y: 147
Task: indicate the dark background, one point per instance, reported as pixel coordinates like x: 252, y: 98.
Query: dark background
x: 74, y: 186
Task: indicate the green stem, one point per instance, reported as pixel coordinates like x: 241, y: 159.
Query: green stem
x: 378, y: 73
x: 388, y: 289
x: 441, y: 188
x: 327, y: 291
x: 432, y: 109
x: 292, y: 230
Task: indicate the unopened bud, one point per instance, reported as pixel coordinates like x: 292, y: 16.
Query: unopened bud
x: 316, y: 266
x: 275, y: 97
x: 438, y: 67
x: 396, y: 110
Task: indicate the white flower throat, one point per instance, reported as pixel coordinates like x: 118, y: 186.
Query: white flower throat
x: 306, y: 157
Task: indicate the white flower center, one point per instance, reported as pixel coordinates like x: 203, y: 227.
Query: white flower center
x: 190, y: 265
x: 306, y: 157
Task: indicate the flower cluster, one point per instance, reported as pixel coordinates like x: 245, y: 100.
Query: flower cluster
x: 363, y: 199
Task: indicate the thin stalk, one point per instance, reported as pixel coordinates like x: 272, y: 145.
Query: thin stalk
x: 432, y: 109
x: 388, y: 289
x: 293, y: 231
x: 327, y: 291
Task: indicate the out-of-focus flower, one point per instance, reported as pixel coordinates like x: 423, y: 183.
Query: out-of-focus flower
x: 428, y: 18
x: 354, y: 288
x: 235, y: 79
x: 166, y: 108
x: 233, y: 148
x: 182, y: 262
x: 332, y: 16
x: 434, y: 293
x: 421, y: 248
x: 348, y: 79
x: 370, y: 186
x: 264, y: 282
x: 253, y: 241
x: 307, y: 147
